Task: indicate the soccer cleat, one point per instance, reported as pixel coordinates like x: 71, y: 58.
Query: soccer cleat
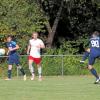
x: 40, y: 79
x: 32, y: 78
x: 97, y: 81
x: 25, y: 78
x: 8, y: 79
x: 81, y: 62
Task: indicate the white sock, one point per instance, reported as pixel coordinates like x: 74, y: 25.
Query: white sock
x: 40, y: 71
x: 31, y: 70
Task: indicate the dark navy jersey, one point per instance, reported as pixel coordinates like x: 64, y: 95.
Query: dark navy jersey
x: 95, y: 44
x: 11, y: 44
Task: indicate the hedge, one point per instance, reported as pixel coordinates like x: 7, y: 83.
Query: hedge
x: 52, y: 66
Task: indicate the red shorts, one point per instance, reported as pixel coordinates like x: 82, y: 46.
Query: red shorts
x: 35, y: 60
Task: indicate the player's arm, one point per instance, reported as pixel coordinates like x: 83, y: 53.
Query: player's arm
x: 12, y: 49
x: 41, y: 45
x: 28, y: 49
x: 8, y: 52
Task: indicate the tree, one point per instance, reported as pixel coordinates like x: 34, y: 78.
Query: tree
x: 78, y: 19
x: 20, y: 16
x: 54, y: 27
x: 48, y: 6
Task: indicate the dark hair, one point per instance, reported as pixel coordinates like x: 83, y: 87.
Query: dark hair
x: 10, y: 36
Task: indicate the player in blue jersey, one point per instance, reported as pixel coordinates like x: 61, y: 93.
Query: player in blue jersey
x: 13, y: 57
x: 94, y: 53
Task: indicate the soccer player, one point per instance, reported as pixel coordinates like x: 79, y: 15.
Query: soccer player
x: 13, y: 57
x: 34, y: 47
x: 94, y: 53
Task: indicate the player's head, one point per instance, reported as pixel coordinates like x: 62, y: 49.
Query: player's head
x: 9, y: 38
x: 95, y: 34
x: 34, y: 35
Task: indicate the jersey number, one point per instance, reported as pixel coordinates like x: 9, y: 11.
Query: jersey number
x: 95, y: 43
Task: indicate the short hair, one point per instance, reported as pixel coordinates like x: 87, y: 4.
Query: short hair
x: 10, y: 36
x: 35, y: 33
x: 96, y: 33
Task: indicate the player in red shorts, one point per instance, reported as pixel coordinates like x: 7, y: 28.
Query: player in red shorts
x: 34, y: 47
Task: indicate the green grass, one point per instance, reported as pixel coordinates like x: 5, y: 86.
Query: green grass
x: 52, y: 88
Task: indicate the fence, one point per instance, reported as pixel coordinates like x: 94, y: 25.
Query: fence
x: 52, y: 65
x: 62, y: 60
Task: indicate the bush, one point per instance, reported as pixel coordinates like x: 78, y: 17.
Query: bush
x: 53, y: 66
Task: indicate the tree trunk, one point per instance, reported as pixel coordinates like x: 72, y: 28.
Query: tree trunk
x: 52, y: 30
x: 54, y: 27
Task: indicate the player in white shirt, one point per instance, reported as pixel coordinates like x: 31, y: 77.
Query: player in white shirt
x: 34, y: 47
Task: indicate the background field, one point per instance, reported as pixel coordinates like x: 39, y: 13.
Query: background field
x: 52, y: 88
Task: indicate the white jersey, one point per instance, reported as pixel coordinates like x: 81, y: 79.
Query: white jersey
x: 35, y: 50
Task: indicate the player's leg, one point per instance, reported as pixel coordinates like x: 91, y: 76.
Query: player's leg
x: 92, y: 70
x: 39, y: 71
x: 17, y: 62
x: 9, y: 72
x: 10, y: 63
x: 85, y: 56
x: 22, y: 71
x: 38, y: 62
x: 31, y: 67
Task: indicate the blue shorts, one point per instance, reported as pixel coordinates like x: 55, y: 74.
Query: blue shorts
x: 13, y: 59
x: 93, y: 56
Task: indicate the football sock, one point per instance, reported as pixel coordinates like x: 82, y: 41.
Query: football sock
x: 85, y: 56
x: 9, y: 74
x: 22, y: 71
x: 31, y: 69
x: 39, y: 71
x: 93, y: 71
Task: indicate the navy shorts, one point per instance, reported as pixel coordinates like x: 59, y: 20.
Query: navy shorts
x: 92, y: 57
x: 13, y: 59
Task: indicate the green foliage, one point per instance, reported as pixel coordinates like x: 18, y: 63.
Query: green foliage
x: 52, y: 66
x: 66, y: 47
x: 71, y: 66
x: 83, y: 16
x: 78, y: 16
x: 69, y: 47
x: 17, y: 16
x: 22, y: 41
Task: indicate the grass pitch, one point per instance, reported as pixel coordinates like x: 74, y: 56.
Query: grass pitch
x: 51, y: 88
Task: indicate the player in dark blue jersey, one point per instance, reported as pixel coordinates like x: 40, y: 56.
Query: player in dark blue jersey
x: 13, y: 57
x: 94, y: 53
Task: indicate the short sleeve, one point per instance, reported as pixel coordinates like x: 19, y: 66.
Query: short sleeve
x: 9, y: 45
x: 14, y: 43
x: 41, y: 42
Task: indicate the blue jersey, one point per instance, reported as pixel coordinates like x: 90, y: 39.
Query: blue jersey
x: 94, y: 49
x: 11, y: 44
x: 95, y: 45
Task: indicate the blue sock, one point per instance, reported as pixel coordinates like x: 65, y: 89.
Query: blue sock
x: 85, y: 56
x: 9, y: 73
x: 93, y: 71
